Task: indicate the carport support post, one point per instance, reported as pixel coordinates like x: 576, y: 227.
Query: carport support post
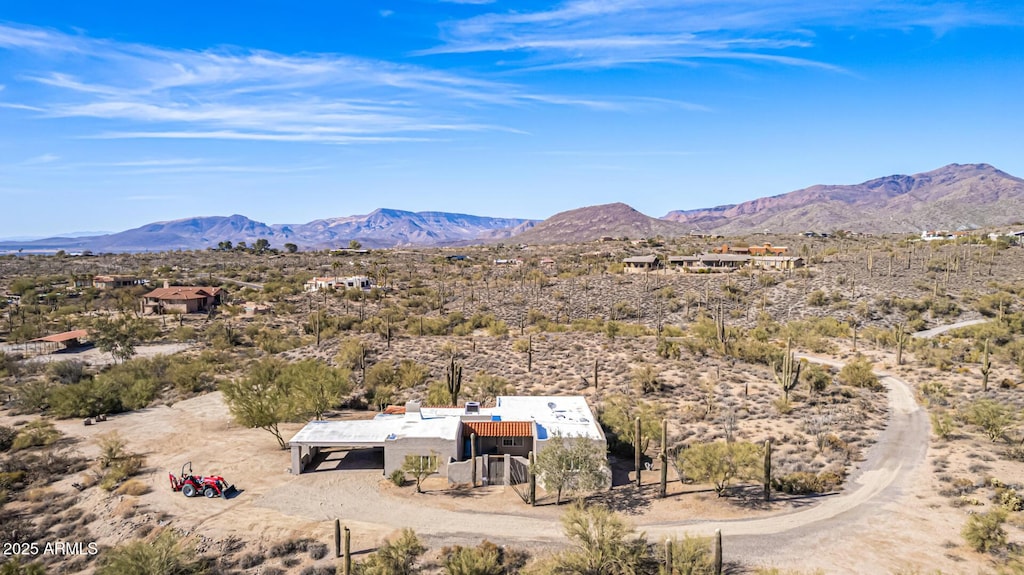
x: 347, y: 563
x: 337, y: 537
x: 472, y: 456
x: 636, y: 451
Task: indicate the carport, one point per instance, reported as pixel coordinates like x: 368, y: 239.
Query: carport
x: 317, y: 435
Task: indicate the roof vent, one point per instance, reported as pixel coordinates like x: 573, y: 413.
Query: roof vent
x: 412, y: 410
x: 472, y: 407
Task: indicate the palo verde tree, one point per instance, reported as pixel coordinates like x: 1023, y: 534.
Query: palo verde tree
x: 262, y: 399
x: 721, y: 462
x: 118, y: 336
x: 618, y: 416
x: 316, y: 386
x: 420, y: 467
x: 571, y: 466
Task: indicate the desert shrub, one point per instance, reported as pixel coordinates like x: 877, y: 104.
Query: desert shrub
x: 7, y: 435
x: 397, y: 477
x: 858, y: 373
x: 803, y: 482
x: 132, y: 487
x: 817, y: 298
x: 11, y: 480
x: 166, y: 554
x: 498, y: 329
x: 816, y: 376
x: 601, y: 542
x: 484, y: 559
x: 984, y: 531
x: 33, y: 396
x: 411, y: 374
x: 14, y: 566
x: 289, y: 547
x: 486, y: 387
x: 1010, y: 500
x: 993, y: 418
x: 39, y: 433
x: 117, y: 464
x: 645, y: 379
x: 617, y: 417
x: 317, y: 551
x: 943, y: 424
x: 250, y: 560
x: 66, y: 372
x: 692, y: 556
x: 396, y: 557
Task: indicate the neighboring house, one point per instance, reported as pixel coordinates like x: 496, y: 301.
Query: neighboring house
x: 640, y: 264
x: 730, y: 262
x: 767, y: 250
x: 113, y: 282
x: 513, y: 262
x: 338, y: 283
x: 709, y: 262
x: 763, y: 250
x: 777, y: 262
x: 181, y: 299
x: 505, y: 434
x: 547, y: 262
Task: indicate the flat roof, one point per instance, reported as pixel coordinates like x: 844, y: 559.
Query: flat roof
x: 65, y: 336
x: 569, y: 416
x: 374, y: 432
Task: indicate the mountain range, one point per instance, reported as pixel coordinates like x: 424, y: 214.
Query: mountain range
x: 952, y: 197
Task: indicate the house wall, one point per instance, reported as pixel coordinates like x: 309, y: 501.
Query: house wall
x: 493, y: 445
x: 395, y: 451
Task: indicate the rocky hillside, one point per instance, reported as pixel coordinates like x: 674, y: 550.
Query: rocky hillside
x: 953, y: 197
x: 594, y: 222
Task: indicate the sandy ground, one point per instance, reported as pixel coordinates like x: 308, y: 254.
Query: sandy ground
x: 92, y: 356
x: 887, y: 517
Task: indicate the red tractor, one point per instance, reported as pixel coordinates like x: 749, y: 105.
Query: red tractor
x: 192, y: 485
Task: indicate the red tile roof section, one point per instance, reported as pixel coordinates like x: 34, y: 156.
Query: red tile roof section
x: 182, y: 292
x: 497, y: 428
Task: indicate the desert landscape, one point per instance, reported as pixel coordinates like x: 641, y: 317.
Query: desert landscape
x: 874, y: 469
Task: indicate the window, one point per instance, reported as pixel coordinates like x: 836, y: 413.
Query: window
x: 512, y: 442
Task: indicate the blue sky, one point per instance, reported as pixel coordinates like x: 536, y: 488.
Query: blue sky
x: 116, y: 114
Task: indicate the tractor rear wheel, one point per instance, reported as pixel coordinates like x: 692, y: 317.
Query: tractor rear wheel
x: 210, y: 492
x: 188, y: 490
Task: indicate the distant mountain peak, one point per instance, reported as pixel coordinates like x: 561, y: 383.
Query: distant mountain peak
x: 950, y: 197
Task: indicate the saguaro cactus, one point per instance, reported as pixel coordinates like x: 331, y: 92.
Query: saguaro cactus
x: 721, y: 332
x: 901, y: 337
x: 347, y: 564
x: 986, y: 368
x: 767, y: 469
x: 529, y: 355
x: 597, y: 387
x: 663, y: 457
x: 533, y: 478
x: 453, y: 377
x: 718, y: 552
x: 636, y: 450
x: 789, y: 375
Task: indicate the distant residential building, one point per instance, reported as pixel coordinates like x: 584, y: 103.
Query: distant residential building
x: 181, y: 299
x: 639, y: 264
x: 114, y: 281
x: 763, y: 250
x: 339, y: 283
x: 511, y: 262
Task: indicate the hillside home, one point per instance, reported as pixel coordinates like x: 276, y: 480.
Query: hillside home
x: 505, y: 434
x: 181, y: 299
x: 640, y: 264
x: 113, y: 282
x: 338, y: 283
x: 777, y: 262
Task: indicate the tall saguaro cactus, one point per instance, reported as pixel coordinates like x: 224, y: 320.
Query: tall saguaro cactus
x: 767, y: 469
x: 901, y: 336
x: 721, y: 331
x: 637, y: 440
x: 789, y: 375
x: 597, y: 386
x: 718, y: 552
x: 453, y: 377
x: 986, y: 368
x: 663, y: 457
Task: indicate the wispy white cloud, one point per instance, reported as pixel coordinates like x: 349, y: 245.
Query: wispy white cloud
x: 386, y: 13
x: 151, y: 197
x: 467, y: 1
x: 609, y: 33
x: 142, y: 91
x: 42, y: 159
